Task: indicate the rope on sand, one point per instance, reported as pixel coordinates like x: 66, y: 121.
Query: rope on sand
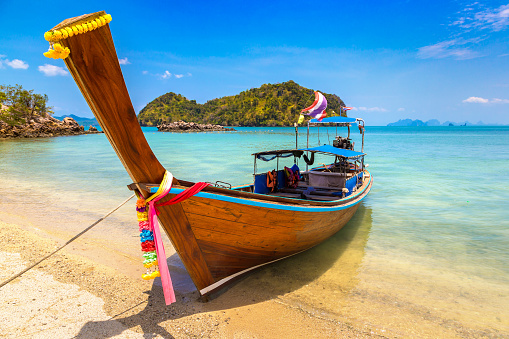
x: 67, y: 243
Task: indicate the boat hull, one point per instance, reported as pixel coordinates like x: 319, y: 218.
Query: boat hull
x: 236, y: 235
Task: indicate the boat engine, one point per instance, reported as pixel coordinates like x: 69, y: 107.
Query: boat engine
x: 341, y: 142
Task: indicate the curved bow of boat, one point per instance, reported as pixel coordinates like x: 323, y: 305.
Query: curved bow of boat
x: 94, y: 65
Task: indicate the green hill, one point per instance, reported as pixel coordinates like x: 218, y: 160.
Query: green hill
x: 268, y: 105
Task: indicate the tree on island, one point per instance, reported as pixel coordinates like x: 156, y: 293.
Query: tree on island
x: 23, y: 105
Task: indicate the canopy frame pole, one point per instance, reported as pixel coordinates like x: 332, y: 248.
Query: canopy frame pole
x: 362, y: 128
x: 296, y: 135
x: 277, y: 170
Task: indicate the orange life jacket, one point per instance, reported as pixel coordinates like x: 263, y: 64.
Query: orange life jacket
x: 271, y: 180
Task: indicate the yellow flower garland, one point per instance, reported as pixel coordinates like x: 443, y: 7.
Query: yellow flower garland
x: 56, y: 50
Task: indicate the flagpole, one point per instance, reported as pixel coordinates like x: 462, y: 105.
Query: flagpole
x: 296, y: 135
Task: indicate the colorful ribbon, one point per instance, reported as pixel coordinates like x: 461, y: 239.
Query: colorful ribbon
x: 164, y: 189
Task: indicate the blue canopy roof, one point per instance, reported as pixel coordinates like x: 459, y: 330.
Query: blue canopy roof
x: 328, y: 149
x: 340, y: 120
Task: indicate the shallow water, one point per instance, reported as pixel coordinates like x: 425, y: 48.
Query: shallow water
x: 425, y: 255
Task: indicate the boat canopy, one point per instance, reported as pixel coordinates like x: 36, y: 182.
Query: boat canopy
x: 285, y: 153
x: 325, y: 149
x: 328, y: 149
x: 337, y: 120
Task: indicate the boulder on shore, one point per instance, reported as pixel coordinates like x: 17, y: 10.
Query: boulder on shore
x: 42, y: 127
x: 182, y: 126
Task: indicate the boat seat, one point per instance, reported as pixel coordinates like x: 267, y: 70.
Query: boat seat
x: 281, y: 179
x: 260, y: 182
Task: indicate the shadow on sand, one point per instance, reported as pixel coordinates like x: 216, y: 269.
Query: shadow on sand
x: 264, y: 284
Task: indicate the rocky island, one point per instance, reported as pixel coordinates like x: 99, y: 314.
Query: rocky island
x: 182, y: 126
x: 43, y: 127
x: 25, y: 114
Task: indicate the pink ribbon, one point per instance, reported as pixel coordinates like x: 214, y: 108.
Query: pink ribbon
x: 169, y: 293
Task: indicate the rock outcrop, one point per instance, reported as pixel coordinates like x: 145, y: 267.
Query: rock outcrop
x: 40, y: 127
x: 182, y: 126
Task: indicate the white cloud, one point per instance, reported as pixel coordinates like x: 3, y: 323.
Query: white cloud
x: 478, y: 100
x: 123, y: 61
x: 475, y: 16
x: 401, y: 109
x: 474, y: 20
x: 16, y: 64
x: 497, y: 19
x: 51, y: 70
x: 189, y: 74
x: 450, y: 48
x: 500, y: 101
x: 167, y: 75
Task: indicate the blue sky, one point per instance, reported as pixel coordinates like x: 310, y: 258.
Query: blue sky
x: 389, y: 60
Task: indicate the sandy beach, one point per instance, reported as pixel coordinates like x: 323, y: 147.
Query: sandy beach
x: 71, y: 296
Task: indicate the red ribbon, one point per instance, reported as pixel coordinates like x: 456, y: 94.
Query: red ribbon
x: 189, y: 192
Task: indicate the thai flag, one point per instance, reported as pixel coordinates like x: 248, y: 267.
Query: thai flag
x: 347, y: 108
x: 317, y: 109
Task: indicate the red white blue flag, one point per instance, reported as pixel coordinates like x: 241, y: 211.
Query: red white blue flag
x: 317, y: 109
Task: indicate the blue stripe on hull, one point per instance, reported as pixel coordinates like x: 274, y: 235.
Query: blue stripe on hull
x: 275, y: 205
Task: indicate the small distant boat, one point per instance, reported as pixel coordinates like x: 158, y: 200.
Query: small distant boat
x: 224, y: 232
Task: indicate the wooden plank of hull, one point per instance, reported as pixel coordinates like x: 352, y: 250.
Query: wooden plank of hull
x: 231, y: 246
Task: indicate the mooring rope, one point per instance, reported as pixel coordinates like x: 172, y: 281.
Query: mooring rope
x: 67, y: 243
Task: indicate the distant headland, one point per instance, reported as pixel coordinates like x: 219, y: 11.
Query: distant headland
x: 80, y: 120
x: 435, y: 122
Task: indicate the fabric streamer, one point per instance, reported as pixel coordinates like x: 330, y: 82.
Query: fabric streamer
x: 150, y: 234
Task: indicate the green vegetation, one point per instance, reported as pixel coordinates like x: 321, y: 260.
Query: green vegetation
x: 268, y: 105
x: 23, y: 105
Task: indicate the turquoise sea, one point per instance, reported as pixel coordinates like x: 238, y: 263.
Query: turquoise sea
x: 426, y: 251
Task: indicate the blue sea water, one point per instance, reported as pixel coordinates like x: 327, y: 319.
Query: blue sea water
x: 433, y: 233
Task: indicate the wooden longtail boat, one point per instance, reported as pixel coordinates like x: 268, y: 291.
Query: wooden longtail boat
x: 220, y: 233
